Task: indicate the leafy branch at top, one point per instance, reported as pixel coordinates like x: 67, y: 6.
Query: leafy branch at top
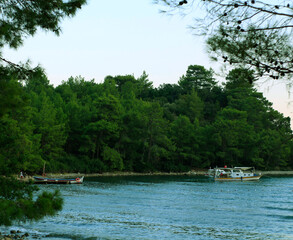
x: 22, y: 18
x: 253, y: 34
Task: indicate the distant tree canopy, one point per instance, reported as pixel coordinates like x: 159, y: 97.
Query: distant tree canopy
x: 244, y: 33
x: 126, y: 124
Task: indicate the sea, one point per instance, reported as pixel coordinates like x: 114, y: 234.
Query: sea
x: 169, y: 207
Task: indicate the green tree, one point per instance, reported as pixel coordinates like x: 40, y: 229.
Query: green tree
x: 190, y: 105
x: 236, y: 138
x: 267, y: 122
x: 141, y: 87
x: 49, y: 125
x: 144, y: 143
x: 275, y: 141
x: 19, y: 147
x: 156, y: 144
x: 103, y: 130
x: 131, y: 141
x: 18, y: 204
x: 196, y: 78
x: 22, y: 18
x: 201, y: 81
x: 245, y: 33
x: 168, y: 93
x: 145, y: 87
x: 184, y: 135
x: 253, y: 49
x: 242, y: 96
x: 11, y: 92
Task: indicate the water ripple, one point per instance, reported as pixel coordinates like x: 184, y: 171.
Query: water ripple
x: 178, y: 207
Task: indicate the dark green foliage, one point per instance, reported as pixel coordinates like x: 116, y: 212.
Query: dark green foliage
x: 22, y: 18
x: 32, y: 121
x: 82, y: 126
x: 11, y: 92
x: 197, y: 78
x: 17, y: 202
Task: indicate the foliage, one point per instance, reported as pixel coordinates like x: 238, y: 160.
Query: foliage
x: 255, y: 49
x: 32, y: 122
x: 83, y: 126
x: 22, y: 18
x: 243, y: 33
x: 11, y: 92
x: 197, y: 78
x: 17, y: 202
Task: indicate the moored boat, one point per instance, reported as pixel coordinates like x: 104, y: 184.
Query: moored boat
x: 44, y: 180
x: 234, y: 174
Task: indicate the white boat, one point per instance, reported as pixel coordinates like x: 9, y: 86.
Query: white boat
x: 233, y: 174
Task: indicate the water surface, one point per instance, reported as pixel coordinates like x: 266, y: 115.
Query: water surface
x: 170, y: 207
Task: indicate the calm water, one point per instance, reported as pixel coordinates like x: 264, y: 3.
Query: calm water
x: 177, y: 207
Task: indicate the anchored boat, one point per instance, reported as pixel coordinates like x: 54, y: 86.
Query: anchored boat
x: 234, y: 174
x: 43, y: 180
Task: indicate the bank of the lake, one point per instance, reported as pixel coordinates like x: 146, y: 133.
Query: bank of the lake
x: 192, y: 173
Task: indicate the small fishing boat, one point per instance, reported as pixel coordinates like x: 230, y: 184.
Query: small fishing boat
x: 44, y: 180
x: 233, y: 174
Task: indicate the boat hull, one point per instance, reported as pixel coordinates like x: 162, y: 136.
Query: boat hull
x: 42, y: 180
x: 253, y: 178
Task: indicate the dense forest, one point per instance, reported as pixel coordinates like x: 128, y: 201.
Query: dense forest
x: 126, y: 124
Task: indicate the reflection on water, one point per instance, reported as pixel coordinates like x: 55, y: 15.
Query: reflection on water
x: 171, y: 207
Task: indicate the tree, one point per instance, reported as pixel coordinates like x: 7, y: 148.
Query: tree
x: 11, y: 93
x: 202, y: 81
x: 245, y: 33
x: 197, y: 78
x: 156, y: 144
x: 271, y: 131
x: 239, y: 78
x: 183, y: 134
x: 236, y: 138
x: 253, y: 49
x: 21, y: 18
x: 141, y: 87
x: 50, y: 126
x: 168, y: 92
x: 19, y: 145
x: 103, y: 131
x: 18, y: 204
x: 190, y: 105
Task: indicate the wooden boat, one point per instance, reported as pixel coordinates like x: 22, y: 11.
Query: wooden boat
x: 234, y: 174
x: 43, y: 180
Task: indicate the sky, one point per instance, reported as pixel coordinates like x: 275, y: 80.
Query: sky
x: 115, y: 37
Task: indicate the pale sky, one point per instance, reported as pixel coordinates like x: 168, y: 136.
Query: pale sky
x: 115, y: 37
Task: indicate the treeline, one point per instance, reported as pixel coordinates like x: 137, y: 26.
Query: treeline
x: 125, y: 124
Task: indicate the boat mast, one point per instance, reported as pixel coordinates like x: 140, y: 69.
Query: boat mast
x: 44, y: 169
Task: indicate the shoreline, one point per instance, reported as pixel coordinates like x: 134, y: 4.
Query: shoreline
x: 190, y: 173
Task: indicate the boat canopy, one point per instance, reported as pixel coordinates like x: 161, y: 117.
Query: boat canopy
x: 244, y: 168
